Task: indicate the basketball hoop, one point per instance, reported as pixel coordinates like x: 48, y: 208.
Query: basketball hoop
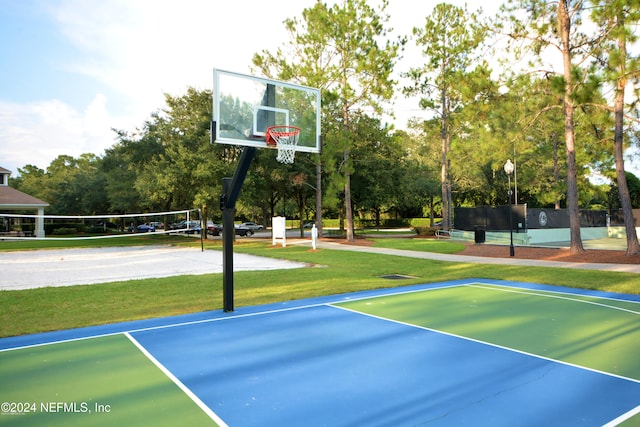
x: 286, y: 139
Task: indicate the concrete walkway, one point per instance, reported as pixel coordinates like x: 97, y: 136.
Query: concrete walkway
x: 626, y: 268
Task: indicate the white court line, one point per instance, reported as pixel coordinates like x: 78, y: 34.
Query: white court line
x: 624, y: 417
x: 537, y: 356
x: 179, y: 383
x: 541, y: 293
x: 219, y: 319
x: 549, y: 291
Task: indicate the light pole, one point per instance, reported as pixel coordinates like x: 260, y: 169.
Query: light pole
x: 508, y: 168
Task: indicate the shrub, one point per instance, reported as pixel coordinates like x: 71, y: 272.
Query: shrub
x: 61, y: 231
x: 425, y: 231
x: 77, y: 227
x: 97, y: 229
x: 384, y: 223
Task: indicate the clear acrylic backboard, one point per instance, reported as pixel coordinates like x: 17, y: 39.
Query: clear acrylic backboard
x: 245, y: 106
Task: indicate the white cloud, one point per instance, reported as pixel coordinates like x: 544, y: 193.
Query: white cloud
x: 38, y: 132
x: 145, y: 48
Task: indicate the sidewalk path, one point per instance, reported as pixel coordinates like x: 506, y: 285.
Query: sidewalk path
x: 626, y: 268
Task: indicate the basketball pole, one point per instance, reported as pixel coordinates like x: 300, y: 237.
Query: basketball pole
x: 230, y: 190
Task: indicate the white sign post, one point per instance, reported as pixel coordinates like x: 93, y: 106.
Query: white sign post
x: 314, y: 236
x: 279, y: 230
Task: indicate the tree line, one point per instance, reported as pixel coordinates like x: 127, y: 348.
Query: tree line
x: 560, y: 122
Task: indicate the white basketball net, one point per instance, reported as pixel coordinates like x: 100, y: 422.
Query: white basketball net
x: 286, y: 138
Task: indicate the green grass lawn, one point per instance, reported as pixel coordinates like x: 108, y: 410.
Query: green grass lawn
x: 333, y: 272
x: 423, y: 245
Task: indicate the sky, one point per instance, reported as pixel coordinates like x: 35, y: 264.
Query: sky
x: 71, y: 71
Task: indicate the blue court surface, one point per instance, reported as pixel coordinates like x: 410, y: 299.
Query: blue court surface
x: 473, y: 352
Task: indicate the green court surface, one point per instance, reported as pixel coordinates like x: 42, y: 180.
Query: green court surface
x: 102, y: 381
x: 596, y: 333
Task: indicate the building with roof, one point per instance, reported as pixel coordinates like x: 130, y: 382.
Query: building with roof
x: 14, y: 200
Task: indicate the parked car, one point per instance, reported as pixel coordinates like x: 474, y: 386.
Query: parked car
x: 213, y: 228
x: 178, y: 225
x: 252, y: 226
x: 188, y: 227
x: 243, y: 231
x: 192, y: 227
x: 143, y: 228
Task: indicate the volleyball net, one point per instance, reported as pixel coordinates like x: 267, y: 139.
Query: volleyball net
x: 24, y: 226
